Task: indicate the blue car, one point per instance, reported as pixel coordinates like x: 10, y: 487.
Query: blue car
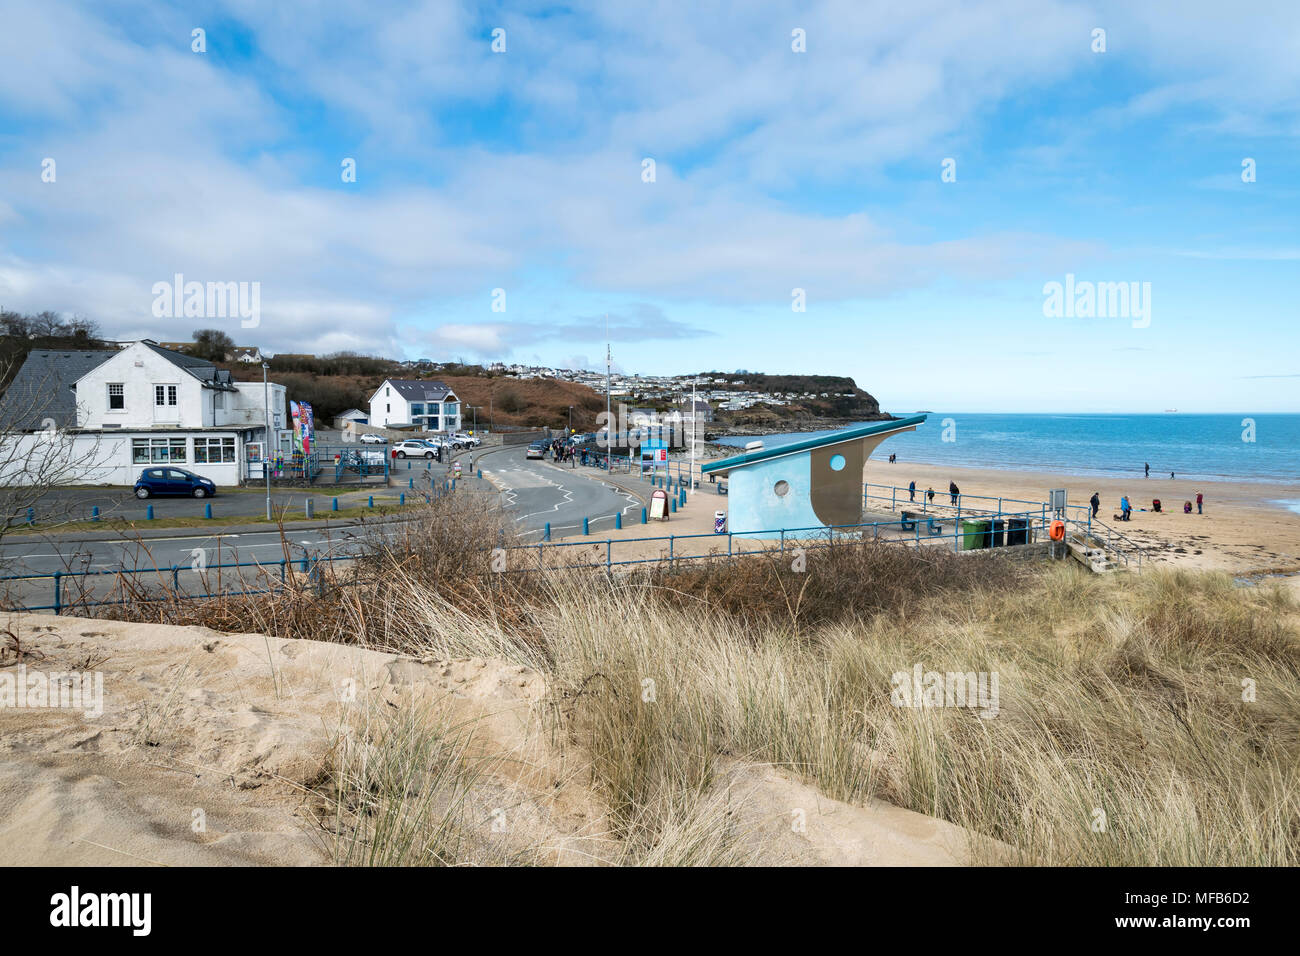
x: 173, y: 481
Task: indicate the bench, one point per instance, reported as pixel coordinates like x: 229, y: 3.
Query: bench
x: 909, y: 521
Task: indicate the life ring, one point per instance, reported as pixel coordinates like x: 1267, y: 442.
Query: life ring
x: 1056, y: 531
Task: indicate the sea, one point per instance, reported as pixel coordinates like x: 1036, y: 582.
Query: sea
x: 1260, y: 448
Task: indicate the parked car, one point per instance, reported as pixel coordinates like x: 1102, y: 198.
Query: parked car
x: 415, y: 448
x: 355, y: 459
x: 370, y: 438
x: 467, y: 441
x: 536, y: 450
x: 173, y: 481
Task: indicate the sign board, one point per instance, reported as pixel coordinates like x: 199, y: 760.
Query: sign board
x: 659, y: 505
x: 1057, y: 500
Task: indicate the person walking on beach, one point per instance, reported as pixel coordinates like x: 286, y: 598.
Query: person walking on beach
x: 953, y: 490
x: 1147, y: 470
x: 1095, y: 501
x: 911, y: 491
x: 1200, y: 500
x: 929, y: 493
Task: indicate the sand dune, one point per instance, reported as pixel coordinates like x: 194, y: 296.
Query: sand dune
x: 216, y: 749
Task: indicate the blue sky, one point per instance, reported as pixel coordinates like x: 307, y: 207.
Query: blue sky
x: 775, y: 170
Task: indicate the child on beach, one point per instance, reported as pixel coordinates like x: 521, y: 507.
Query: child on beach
x: 1187, y: 507
x: 1200, y: 500
x: 929, y: 493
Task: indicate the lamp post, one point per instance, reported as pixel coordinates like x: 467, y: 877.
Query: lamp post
x: 570, y: 419
x: 266, y: 446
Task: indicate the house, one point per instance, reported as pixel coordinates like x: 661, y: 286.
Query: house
x: 353, y: 416
x: 701, y: 412
x: 427, y: 405
x: 807, y: 485
x: 249, y: 356
x: 110, y: 412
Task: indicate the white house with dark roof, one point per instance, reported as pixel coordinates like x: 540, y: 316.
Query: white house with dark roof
x: 120, y: 410
x: 415, y: 403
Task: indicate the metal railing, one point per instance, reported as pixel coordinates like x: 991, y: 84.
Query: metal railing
x: 73, y: 589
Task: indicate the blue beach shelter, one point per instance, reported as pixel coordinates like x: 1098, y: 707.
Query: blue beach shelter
x: 813, y: 483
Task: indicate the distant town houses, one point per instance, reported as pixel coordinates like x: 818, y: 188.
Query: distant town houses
x: 112, y: 412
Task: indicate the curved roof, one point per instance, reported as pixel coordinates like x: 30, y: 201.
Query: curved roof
x: 852, y: 433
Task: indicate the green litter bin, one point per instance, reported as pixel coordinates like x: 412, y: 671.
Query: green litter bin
x: 975, y: 534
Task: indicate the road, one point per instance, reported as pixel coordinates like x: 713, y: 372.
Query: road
x: 535, y: 492
x: 538, y: 492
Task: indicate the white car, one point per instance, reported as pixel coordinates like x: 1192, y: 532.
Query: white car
x: 414, y: 448
x: 370, y: 438
x: 467, y: 441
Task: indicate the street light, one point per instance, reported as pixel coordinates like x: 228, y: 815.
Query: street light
x: 266, y: 445
x: 570, y: 419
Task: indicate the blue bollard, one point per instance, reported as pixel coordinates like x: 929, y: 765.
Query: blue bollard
x: 31, y: 516
x: 618, y: 519
x: 585, y: 529
x: 148, y: 512
x: 673, y: 504
x: 480, y: 472
x: 207, y: 510
x: 643, y: 517
x: 372, y: 502
x: 334, y: 506
x: 94, y: 512
x: 546, y: 535
x: 410, y: 483
x: 401, y: 499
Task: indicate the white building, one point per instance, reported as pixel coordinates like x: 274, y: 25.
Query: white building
x: 403, y: 402
x: 113, y: 412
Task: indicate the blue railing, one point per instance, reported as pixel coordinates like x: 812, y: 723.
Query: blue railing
x: 273, y: 576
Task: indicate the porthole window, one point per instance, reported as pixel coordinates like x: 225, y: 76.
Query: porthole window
x: 837, y: 462
x: 782, y: 488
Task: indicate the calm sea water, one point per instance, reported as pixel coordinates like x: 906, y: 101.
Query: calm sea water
x: 1208, y: 447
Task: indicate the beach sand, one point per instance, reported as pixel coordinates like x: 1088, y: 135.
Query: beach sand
x: 1242, y: 530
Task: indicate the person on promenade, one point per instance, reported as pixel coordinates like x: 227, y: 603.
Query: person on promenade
x: 1200, y: 500
x: 953, y: 491
x: 911, y: 491
x: 1095, y: 501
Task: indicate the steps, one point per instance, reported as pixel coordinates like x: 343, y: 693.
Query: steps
x: 1092, y: 553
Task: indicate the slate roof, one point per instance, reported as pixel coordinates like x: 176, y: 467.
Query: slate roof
x: 202, y: 369
x: 44, y: 388
x: 415, y: 390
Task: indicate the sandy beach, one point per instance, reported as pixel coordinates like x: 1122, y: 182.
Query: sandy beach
x: 1242, y: 529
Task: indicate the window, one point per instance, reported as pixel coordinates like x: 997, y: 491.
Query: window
x: 145, y: 451
x: 388, y: 408
x: 218, y: 400
x: 837, y: 462
x: 417, y: 408
x: 116, y: 396
x: 164, y: 395
x: 782, y: 488
x: 213, y: 451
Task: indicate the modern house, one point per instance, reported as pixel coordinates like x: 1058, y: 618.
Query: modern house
x: 112, y: 412
x: 810, y: 484
x: 412, y: 403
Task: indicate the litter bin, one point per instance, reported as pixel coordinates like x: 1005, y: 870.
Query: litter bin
x: 1017, y: 531
x: 999, y: 535
x: 974, y: 534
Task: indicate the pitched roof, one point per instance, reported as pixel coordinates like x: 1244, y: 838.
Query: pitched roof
x: 44, y: 388
x: 417, y: 390
x: 202, y: 369
x: 852, y: 433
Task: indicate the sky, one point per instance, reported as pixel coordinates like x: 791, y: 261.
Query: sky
x: 880, y: 190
